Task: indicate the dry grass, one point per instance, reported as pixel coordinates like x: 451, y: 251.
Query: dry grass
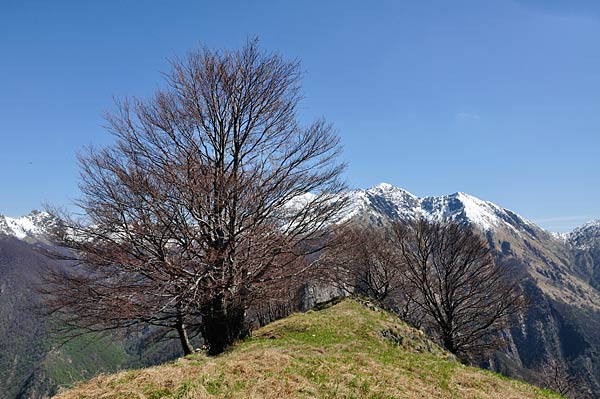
x: 345, y: 351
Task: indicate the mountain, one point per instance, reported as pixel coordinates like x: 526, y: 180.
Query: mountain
x: 384, y: 202
x: 560, y: 273
x: 586, y: 236
x: 548, y: 256
x: 32, y: 226
x: 347, y: 350
x: 34, y: 362
x: 585, y: 241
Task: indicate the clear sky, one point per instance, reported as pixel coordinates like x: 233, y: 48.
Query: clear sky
x: 499, y: 99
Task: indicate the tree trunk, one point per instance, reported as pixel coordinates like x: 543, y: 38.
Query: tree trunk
x: 448, y: 342
x: 183, y: 338
x: 222, y: 324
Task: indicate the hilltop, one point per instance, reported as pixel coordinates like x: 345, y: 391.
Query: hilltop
x: 350, y: 349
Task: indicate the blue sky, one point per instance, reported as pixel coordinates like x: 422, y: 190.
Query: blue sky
x: 499, y: 99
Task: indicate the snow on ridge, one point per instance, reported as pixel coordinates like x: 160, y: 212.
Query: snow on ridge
x: 560, y: 236
x: 390, y: 191
x: 383, y: 186
x: 300, y: 201
x: 583, y: 237
x: 595, y: 223
x: 22, y: 227
x: 480, y: 212
x: 386, y: 200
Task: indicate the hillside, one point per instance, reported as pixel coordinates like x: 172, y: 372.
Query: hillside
x: 33, y: 363
x: 347, y: 350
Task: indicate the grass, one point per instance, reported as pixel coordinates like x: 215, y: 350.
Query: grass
x: 84, y: 357
x: 348, y: 350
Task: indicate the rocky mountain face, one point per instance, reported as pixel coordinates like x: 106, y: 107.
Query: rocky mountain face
x: 22, y: 343
x: 585, y: 241
x: 22, y: 331
x: 559, y: 273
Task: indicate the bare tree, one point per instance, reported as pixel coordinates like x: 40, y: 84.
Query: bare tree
x: 362, y: 259
x: 125, y: 274
x: 563, y: 378
x: 465, y: 295
x: 212, y: 192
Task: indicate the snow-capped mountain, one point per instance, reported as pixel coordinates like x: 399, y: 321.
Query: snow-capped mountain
x: 546, y: 257
x: 560, y: 274
x: 35, y: 224
x: 385, y: 201
x: 583, y: 237
x: 379, y: 203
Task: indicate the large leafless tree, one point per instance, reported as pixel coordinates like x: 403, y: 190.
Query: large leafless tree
x: 467, y: 297
x: 202, y: 203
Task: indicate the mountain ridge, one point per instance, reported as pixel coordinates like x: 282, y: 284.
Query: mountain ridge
x: 35, y: 224
x: 482, y: 213
x: 392, y: 201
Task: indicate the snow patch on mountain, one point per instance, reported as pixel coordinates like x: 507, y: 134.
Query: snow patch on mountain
x: 301, y: 201
x: 585, y: 236
x: 34, y: 224
x: 385, y: 201
x: 564, y: 237
x: 380, y: 203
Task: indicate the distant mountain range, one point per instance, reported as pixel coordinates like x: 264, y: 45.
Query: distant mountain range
x: 36, y: 224
x: 560, y: 273
x: 381, y: 202
x: 385, y: 201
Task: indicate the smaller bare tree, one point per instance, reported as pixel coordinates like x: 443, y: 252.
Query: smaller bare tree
x: 360, y: 260
x: 466, y: 297
x: 559, y: 377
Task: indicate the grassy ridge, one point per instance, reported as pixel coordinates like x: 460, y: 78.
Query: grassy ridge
x: 348, y: 350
